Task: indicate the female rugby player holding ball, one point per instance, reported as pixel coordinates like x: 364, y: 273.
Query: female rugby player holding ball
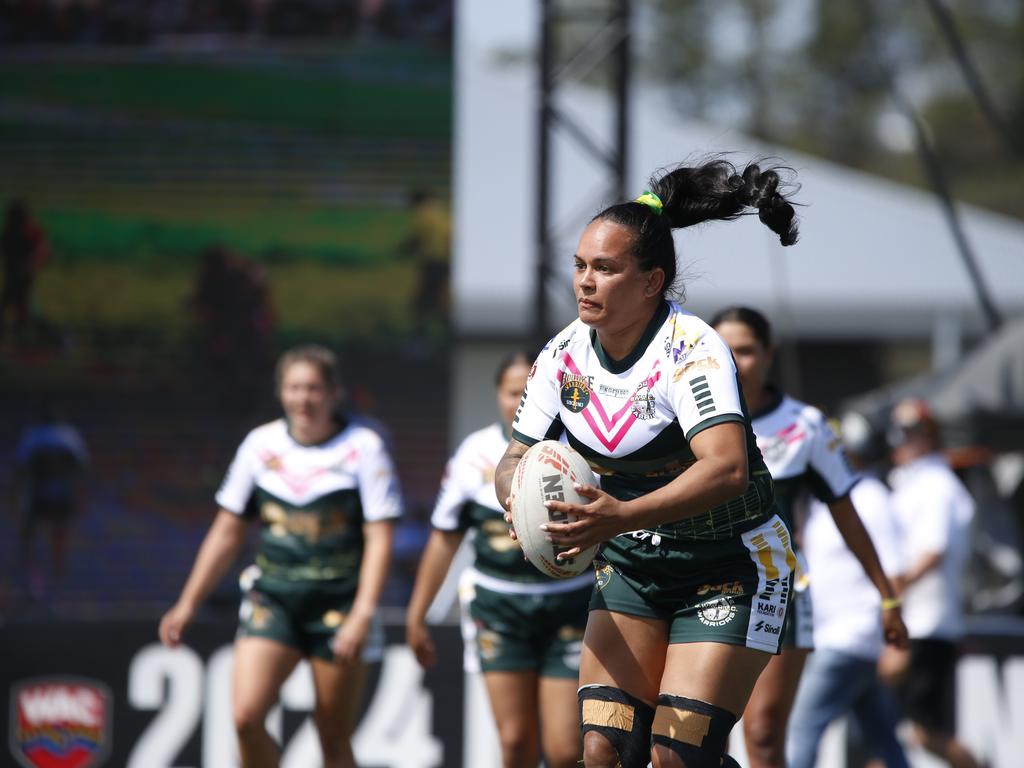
x: 693, y: 578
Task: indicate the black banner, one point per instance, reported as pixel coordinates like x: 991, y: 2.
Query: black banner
x: 92, y: 693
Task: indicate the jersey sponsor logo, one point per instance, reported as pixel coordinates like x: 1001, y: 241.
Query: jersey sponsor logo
x: 768, y: 629
x: 702, y: 395
x: 643, y: 400
x: 575, y: 392
x: 767, y: 609
x: 533, y: 372
x: 619, y: 392
x: 60, y: 723
x: 681, y: 348
x: 562, y: 344
x: 726, y: 588
x: 717, y: 612
x: 696, y: 366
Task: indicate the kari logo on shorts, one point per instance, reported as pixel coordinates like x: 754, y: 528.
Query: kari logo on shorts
x: 60, y: 723
x: 715, y: 613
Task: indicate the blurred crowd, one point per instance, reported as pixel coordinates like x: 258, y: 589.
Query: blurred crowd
x: 140, y: 22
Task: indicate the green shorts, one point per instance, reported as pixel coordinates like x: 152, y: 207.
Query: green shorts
x: 301, y: 615
x: 540, y: 633
x: 735, y: 591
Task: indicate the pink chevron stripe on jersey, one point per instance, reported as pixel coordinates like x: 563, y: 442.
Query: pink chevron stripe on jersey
x: 611, y: 442
x: 786, y: 434
x: 301, y: 482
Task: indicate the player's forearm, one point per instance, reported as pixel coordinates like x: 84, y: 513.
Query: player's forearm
x: 216, y: 555
x: 706, y: 484
x: 506, y: 469
x: 373, y: 571
x: 859, y: 542
x: 437, y: 559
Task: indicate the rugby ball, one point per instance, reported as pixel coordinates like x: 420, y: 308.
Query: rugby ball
x: 548, y: 471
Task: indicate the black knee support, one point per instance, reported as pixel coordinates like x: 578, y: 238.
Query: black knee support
x: 621, y: 718
x: 694, y: 730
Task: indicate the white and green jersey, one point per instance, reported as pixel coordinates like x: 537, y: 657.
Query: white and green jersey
x: 802, y: 453
x: 468, y: 502
x: 312, y: 500
x: 633, y: 419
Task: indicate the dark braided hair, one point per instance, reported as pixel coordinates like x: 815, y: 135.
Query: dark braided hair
x: 714, y: 190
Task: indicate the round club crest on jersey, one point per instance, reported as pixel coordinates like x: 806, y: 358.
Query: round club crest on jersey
x: 575, y: 392
x: 643, y: 401
x: 715, y: 613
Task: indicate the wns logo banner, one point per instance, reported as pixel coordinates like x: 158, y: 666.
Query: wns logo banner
x: 60, y: 723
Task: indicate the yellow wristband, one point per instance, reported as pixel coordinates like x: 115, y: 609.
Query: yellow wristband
x: 889, y: 603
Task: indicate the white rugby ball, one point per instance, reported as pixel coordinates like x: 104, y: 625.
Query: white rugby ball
x: 546, y: 472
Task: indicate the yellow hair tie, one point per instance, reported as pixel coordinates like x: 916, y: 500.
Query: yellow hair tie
x: 652, y: 201
x: 888, y: 603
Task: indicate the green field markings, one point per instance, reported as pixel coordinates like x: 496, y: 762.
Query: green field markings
x: 151, y: 234
x: 369, y: 101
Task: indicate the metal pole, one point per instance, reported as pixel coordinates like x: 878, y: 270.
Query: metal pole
x: 541, y: 323
x: 622, y: 101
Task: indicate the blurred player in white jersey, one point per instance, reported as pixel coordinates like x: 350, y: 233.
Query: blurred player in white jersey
x: 325, y: 494
x: 804, y: 456
x: 525, y: 628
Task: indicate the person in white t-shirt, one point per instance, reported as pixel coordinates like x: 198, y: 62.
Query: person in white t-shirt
x: 840, y: 677
x: 326, y: 495
x: 935, y: 512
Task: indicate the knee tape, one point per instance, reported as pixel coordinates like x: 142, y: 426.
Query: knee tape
x: 694, y: 730
x: 621, y: 718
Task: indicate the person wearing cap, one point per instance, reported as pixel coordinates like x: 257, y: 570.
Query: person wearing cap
x: 840, y: 677
x: 935, y: 512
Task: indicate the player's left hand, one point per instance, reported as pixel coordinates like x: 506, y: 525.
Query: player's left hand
x: 349, y: 639
x: 893, y: 628
x: 602, y: 518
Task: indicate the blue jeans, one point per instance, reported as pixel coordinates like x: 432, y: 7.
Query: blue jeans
x: 834, y: 684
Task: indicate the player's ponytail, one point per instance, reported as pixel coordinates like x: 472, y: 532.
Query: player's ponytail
x: 688, y: 195
x: 716, y: 190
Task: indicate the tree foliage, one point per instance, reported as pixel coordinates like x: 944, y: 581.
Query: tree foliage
x: 819, y: 76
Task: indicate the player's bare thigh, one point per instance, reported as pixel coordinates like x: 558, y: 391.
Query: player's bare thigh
x: 625, y: 652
